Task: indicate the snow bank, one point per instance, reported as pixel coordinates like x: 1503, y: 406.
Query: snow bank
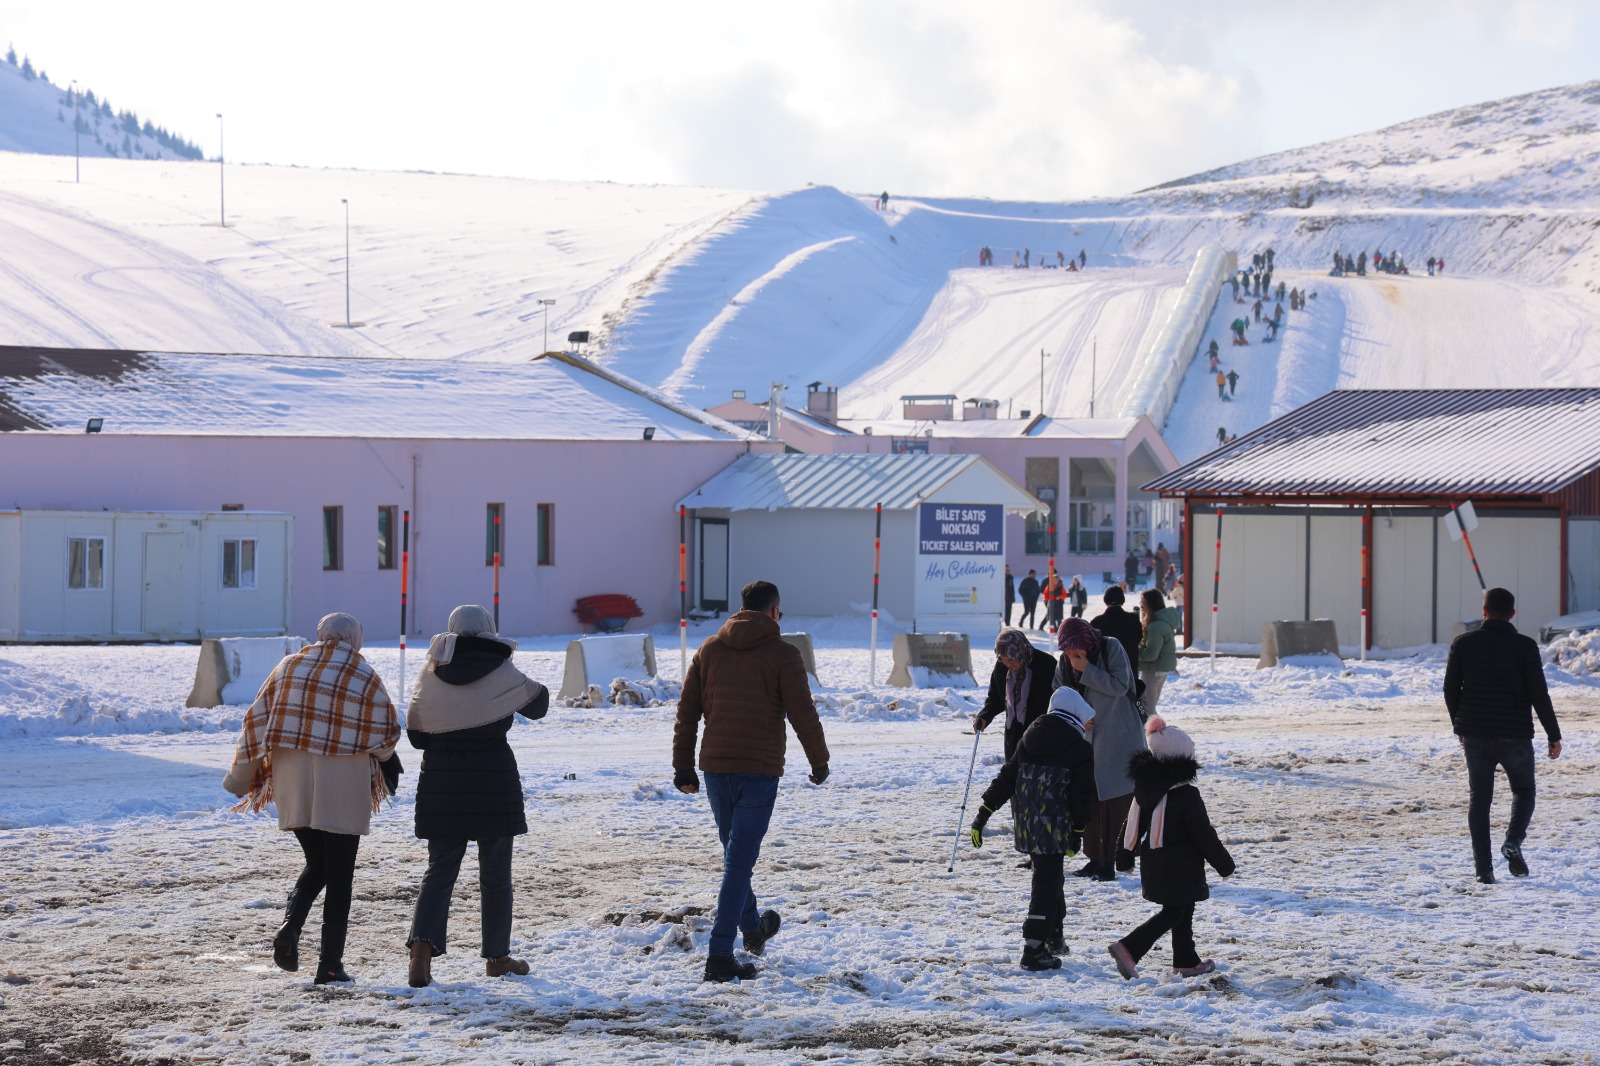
x: 1576, y: 653
x: 38, y: 702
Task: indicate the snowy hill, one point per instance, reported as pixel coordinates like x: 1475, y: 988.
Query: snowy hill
x: 701, y: 291
x: 39, y: 117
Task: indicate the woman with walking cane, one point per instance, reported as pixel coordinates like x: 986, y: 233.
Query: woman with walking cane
x: 1099, y: 671
x: 1050, y: 783
x: 1019, y: 687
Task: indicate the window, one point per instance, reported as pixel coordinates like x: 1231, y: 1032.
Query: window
x: 86, y: 562
x: 547, y: 534
x: 1043, y: 477
x: 333, y: 538
x: 494, y: 532
x: 239, y: 563
x: 388, y: 523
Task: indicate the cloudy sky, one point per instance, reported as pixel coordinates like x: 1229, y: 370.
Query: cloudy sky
x: 1014, y: 99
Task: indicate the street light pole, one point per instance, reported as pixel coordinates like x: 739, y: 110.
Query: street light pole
x: 547, y: 305
x: 346, y: 263
x: 222, y: 177
x: 77, y: 156
x: 1041, y: 381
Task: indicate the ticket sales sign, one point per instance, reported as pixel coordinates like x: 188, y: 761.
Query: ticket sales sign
x: 960, y: 554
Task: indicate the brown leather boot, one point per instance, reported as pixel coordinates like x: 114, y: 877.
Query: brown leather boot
x: 505, y: 964
x: 420, y: 973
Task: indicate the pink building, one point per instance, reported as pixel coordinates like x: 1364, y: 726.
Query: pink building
x: 581, y: 468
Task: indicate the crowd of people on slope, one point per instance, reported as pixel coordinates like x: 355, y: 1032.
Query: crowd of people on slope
x: 1393, y: 263
x: 1022, y: 259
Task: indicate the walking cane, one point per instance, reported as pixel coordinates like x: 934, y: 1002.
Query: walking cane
x: 977, y: 735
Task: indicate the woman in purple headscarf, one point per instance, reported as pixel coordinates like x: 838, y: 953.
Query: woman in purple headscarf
x: 1020, y: 686
x: 1099, y: 671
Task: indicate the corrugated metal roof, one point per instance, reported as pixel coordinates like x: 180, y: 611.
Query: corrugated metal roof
x: 843, y: 482
x: 1408, y: 442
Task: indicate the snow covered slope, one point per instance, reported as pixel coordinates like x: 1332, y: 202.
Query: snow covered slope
x: 700, y: 291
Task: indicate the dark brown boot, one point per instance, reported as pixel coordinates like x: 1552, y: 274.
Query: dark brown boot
x: 420, y: 973
x: 505, y: 964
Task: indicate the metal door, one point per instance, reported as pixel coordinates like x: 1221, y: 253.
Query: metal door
x: 162, y: 604
x: 714, y: 563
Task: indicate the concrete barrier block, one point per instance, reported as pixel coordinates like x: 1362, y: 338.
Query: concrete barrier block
x: 232, y: 670
x: 1281, y: 639
x: 931, y: 660
x: 808, y: 654
x: 600, y: 660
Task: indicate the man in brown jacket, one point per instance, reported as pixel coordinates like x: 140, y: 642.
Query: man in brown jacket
x: 744, y: 682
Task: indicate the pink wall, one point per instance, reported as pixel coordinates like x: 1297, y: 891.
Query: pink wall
x: 616, y: 529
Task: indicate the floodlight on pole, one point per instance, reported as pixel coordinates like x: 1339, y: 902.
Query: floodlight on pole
x: 346, y: 262
x: 222, y: 177
x: 547, y: 305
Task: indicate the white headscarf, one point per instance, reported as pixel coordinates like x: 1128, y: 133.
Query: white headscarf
x: 468, y: 620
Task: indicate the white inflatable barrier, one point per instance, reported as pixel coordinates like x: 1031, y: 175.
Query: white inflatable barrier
x: 1162, y: 370
x: 233, y: 669
x: 600, y: 660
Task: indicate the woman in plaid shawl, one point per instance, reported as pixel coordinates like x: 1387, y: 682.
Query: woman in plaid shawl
x: 312, y: 743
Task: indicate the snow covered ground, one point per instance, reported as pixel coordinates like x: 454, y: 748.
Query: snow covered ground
x: 136, y: 911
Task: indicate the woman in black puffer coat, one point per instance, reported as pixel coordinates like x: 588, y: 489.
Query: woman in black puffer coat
x: 1171, y: 834
x: 469, y: 787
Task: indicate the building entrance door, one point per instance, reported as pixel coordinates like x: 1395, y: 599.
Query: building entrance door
x: 714, y: 564
x: 162, y: 604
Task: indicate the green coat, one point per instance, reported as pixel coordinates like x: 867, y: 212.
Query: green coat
x: 1158, y: 650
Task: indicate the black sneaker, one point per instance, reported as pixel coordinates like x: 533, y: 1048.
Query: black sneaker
x: 1514, y: 860
x: 723, y: 968
x: 1039, y: 958
x: 1089, y: 869
x: 756, y: 943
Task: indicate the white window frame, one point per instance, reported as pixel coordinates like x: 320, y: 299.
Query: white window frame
x: 87, y: 540
x: 239, y: 577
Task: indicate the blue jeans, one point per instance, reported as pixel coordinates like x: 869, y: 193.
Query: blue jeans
x: 1483, y: 755
x: 742, y: 806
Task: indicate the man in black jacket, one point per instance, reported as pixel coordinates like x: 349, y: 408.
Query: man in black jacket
x: 1493, y: 677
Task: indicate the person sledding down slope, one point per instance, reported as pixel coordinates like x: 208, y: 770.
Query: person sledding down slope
x: 1050, y: 783
x: 1238, y: 327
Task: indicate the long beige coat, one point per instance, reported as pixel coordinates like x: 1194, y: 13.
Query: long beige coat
x: 328, y: 792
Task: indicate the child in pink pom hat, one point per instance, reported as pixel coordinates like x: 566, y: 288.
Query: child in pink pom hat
x: 1170, y: 833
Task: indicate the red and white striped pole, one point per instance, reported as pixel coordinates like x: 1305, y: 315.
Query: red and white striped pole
x: 877, y: 543
x: 405, y: 580
x: 683, y: 593
x: 497, y: 572
x: 1366, y: 577
x: 1216, y: 588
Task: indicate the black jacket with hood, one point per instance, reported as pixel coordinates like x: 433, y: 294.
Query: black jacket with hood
x: 1176, y: 871
x: 469, y: 785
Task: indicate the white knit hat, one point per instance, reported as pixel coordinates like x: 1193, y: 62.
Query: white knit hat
x: 1167, y: 741
x: 1066, y: 702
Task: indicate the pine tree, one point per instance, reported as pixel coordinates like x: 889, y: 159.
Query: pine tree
x: 11, y: 55
x: 27, y: 68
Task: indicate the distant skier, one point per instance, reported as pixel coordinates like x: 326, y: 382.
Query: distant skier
x: 883, y: 201
x: 1233, y: 382
x: 1431, y: 262
x: 1083, y: 258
